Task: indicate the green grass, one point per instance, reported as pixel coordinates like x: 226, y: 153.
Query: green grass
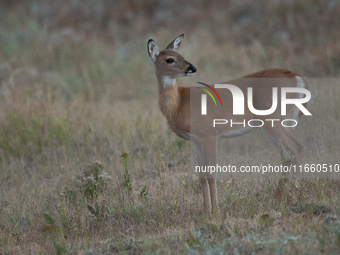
x: 76, y: 95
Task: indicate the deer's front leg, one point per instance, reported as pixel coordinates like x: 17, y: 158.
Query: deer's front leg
x: 202, y: 161
x: 209, y: 149
x: 206, y: 196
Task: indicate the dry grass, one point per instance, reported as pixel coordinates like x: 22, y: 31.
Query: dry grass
x: 77, y: 89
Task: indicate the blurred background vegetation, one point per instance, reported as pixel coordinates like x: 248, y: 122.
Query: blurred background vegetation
x: 91, y: 47
x: 76, y: 85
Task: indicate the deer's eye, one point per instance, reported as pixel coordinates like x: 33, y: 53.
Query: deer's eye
x: 169, y: 60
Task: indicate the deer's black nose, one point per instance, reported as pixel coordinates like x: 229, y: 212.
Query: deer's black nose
x: 192, y: 69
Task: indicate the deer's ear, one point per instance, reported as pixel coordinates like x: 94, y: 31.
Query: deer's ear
x: 174, y: 45
x: 153, y: 50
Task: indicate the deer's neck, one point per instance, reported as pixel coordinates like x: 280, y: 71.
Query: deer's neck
x: 169, y: 97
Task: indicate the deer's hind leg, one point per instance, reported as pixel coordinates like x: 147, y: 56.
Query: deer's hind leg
x: 291, y: 153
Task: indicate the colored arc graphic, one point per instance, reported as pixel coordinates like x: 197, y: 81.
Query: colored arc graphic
x: 208, y: 94
x: 210, y: 87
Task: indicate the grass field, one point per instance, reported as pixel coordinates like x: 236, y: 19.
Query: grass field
x: 78, y: 99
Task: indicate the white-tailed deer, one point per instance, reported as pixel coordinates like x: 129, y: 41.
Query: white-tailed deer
x: 174, y: 102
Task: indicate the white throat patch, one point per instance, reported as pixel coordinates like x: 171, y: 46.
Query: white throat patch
x: 168, y: 81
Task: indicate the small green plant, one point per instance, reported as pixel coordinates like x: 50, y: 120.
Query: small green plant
x: 86, y: 188
x: 48, y: 218
x: 66, y: 224
x: 127, y: 186
x: 91, y: 182
x: 144, y: 192
x: 60, y: 248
